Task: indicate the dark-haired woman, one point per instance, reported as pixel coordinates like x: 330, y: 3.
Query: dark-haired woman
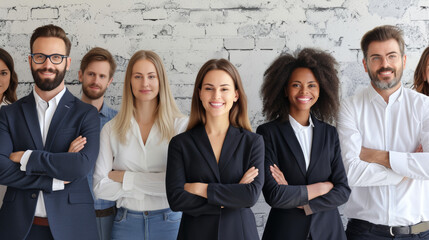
x: 8, y: 79
x: 305, y: 180
x: 8, y: 84
x: 421, y: 75
x: 215, y: 169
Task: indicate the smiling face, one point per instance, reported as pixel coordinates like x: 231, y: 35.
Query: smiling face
x: 47, y: 75
x: 4, y: 78
x: 218, y: 93
x: 95, y: 79
x: 302, y: 91
x: 144, y: 81
x: 384, y: 64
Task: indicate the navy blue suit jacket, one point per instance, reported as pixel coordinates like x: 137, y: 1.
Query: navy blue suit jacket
x: 282, y: 148
x: 70, y: 211
x: 191, y: 159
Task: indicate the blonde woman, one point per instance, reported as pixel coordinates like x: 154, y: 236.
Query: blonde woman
x: 134, y: 144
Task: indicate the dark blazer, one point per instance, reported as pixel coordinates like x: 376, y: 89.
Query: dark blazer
x: 226, y: 213
x: 282, y: 148
x: 70, y: 211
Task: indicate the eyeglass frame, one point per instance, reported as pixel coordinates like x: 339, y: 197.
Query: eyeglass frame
x: 388, y: 60
x: 49, y: 56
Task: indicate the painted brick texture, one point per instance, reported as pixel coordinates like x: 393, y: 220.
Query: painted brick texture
x: 186, y: 33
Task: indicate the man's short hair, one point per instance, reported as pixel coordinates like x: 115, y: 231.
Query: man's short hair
x: 380, y: 34
x: 50, y: 31
x: 98, y: 54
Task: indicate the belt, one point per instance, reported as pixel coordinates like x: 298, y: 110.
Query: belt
x: 41, y: 221
x: 393, y: 231
x: 105, y: 212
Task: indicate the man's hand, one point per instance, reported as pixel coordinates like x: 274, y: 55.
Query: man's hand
x: 16, y: 156
x: 375, y: 156
x: 77, y: 144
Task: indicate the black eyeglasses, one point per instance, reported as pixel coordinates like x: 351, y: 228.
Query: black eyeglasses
x: 40, y: 58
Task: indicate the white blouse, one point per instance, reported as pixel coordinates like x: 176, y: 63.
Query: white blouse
x: 304, y: 134
x: 143, y: 186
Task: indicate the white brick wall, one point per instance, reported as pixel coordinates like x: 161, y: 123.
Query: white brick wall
x: 186, y: 33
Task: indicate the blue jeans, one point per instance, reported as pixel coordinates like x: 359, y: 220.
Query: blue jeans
x: 104, y: 226
x: 158, y: 224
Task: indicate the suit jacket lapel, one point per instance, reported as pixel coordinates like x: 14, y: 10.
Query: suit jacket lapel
x: 202, y: 142
x: 32, y: 120
x: 317, y: 144
x: 60, y: 116
x: 291, y: 140
x: 232, y: 139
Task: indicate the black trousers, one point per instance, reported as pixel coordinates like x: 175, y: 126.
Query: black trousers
x: 40, y: 233
x: 358, y: 231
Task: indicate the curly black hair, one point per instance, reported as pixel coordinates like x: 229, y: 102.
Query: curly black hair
x: 276, y: 79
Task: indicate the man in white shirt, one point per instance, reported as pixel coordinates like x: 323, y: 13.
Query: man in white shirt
x: 48, y: 195
x: 379, y: 130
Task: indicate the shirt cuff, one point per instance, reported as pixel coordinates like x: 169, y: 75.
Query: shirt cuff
x: 57, y: 184
x: 24, y: 160
x: 128, y: 181
x: 399, y: 164
x: 307, y: 209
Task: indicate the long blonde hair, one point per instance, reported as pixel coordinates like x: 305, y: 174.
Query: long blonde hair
x: 238, y: 114
x: 166, y: 110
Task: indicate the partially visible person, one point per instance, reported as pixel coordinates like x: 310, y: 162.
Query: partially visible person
x: 8, y: 79
x: 131, y: 166
x: 421, y: 74
x: 8, y: 85
x: 215, y: 169
x: 379, y: 129
x: 305, y: 180
x: 96, y: 74
x: 48, y: 195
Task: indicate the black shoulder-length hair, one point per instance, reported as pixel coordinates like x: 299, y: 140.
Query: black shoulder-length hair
x: 276, y: 79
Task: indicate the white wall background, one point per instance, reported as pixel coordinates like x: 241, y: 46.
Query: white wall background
x: 187, y: 33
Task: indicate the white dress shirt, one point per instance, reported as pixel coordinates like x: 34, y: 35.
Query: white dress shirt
x: 45, y: 113
x: 143, y: 186
x: 304, y: 134
x: 397, y: 196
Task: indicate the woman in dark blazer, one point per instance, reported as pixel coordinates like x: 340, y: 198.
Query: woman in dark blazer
x: 305, y: 180
x: 215, y: 170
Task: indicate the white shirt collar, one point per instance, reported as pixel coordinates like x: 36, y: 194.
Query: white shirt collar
x: 297, y: 126
x: 55, y: 99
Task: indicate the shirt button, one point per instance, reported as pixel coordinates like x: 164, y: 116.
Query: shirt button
x: 33, y: 196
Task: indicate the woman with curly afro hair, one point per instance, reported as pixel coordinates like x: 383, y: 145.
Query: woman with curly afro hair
x: 305, y: 180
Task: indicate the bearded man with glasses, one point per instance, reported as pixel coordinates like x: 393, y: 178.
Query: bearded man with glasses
x: 48, y: 195
x: 380, y: 129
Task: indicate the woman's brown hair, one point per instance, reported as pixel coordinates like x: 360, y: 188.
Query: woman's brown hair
x: 10, y: 94
x: 420, y: 79
x: 238, y: 114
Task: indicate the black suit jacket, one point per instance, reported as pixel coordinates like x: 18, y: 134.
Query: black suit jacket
x: 282, y: 148
x: 70, y: 211
x: 191, y: 159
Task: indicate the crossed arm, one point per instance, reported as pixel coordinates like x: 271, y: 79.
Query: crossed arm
x: 207, y: 198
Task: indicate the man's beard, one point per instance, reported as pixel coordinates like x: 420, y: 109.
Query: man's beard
x: 92, y: 95
x: 383, y: 85
x: 48, y: 84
